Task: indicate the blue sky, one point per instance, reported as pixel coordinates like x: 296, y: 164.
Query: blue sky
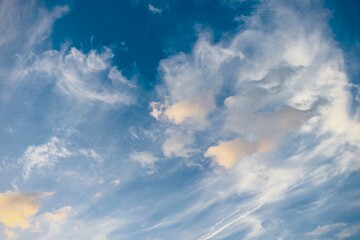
x: 194, y: 120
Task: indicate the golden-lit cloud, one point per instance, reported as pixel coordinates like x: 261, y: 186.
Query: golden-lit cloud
x: 17, y: 208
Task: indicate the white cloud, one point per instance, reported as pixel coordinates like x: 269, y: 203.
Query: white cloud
x: 48, y: 154
x: 24, y: 25
x: 144, y: 158
x: 192, y: 81
x: 154, y: 9
x: 276, y: 80
x: 92, y: 154
x: 178, y: 143
x: 98, y: 194
x: 25, y: 28
x: 80, y: 75
x: 116, y: 181
x: 338, y: 231
x: 156, y: 109
x: 277, y: 90
x: 45, y: 155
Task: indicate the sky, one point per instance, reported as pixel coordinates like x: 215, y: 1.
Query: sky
x: 179, y: 119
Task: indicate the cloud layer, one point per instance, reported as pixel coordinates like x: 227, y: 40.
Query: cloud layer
x: 250, y: 135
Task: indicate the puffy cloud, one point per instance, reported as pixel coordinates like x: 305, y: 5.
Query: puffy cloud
x: 261, y: 85
x: 226, y: 153
x: 144, y: 158
x: 191, y: 81
x: 279, y: 92
x: 181, y: 111
x: 16, y: 209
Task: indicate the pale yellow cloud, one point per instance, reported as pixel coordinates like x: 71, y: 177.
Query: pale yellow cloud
x: 227, y: 153
x: 59, y: 215
x: 17, y: 208
x: 181, y: 111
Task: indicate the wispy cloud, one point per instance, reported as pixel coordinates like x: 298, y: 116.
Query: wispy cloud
x: 154, y: 9
x: 79, y: 75
x: 58, y: 215
x: 264, y: 113
x: 335, y: 231
x: 48, y: 154
x: 45, y: 155
x: 273, y: 105
x: 144, y: 158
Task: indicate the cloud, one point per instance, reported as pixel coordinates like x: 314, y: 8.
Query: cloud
x: 256, y: 88
x: 144, y: 158
x: 59, y: 215
x: 178, y: 143
x: 79, y: 75
x: 156, y: 109
x: 181, y: 111
x: 271, y: 104
x: 10, y: 234
x: 28, y: 61
x: 25, y: 25
x: 227, y: 153
x: 337, y: 231
x: 154, y: 9
x: 191, y: 82
x: 24, y: 28
x: 97, y: 229
x: 48, y: 154
x: 45, y: 155
x: 116, y: 181
x: 98, y: 194
x: 92, y: 154
x: 16, y: 209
